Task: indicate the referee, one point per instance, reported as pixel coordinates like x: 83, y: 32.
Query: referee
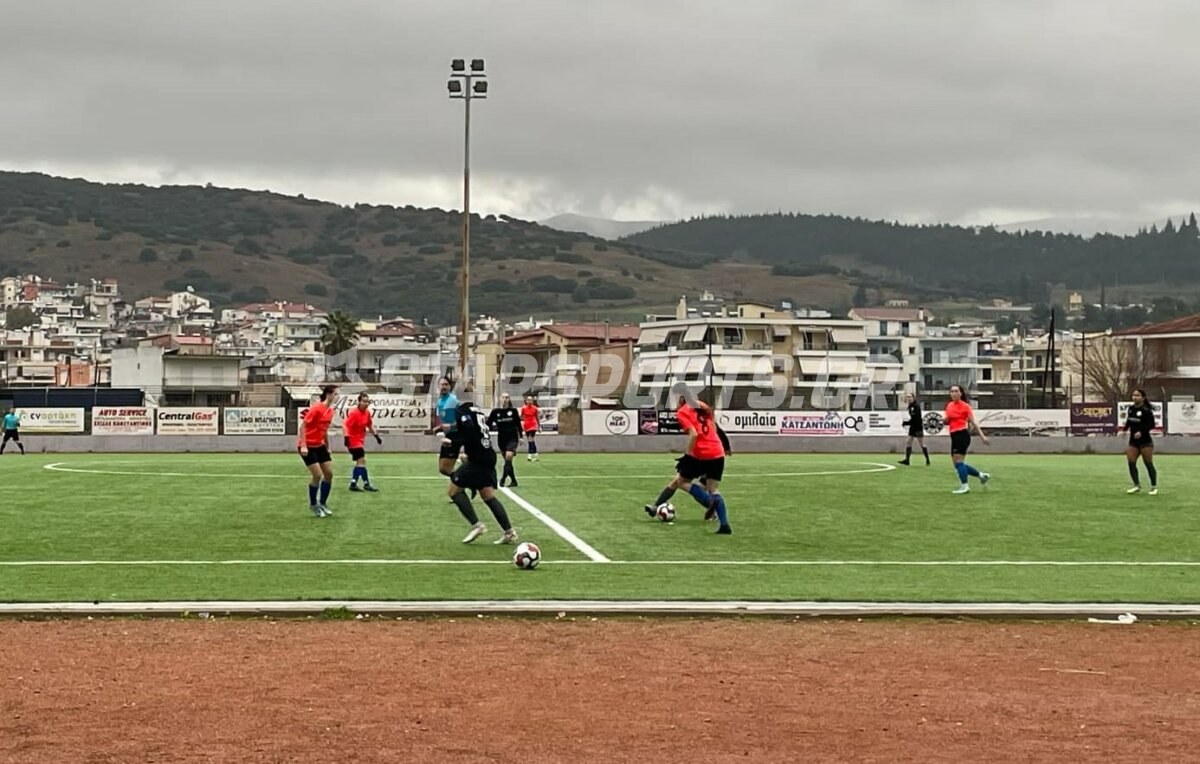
x: 506, y: 423
x: 12, y: 430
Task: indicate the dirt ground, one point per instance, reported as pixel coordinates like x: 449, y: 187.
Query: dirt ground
x: 583, y: 690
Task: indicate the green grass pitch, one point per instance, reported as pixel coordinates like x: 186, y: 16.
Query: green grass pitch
x: 847, y: 520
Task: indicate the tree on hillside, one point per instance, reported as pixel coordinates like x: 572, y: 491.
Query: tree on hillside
x: 340, y: 333
x: 860, y: 297
x: 20, y: 318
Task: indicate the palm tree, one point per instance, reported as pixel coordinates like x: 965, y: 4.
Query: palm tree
x: 340, y: 332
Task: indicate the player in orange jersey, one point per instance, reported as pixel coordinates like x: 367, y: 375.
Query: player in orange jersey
x: 313, y: 447
x: 356, y: 426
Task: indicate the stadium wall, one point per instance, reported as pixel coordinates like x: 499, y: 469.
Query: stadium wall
x: 596, y: 444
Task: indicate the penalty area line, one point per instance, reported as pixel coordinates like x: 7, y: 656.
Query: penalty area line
x: 603, y: 559
x: 563, y: 532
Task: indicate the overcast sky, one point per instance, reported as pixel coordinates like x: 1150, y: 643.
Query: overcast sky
x: 988, y: 111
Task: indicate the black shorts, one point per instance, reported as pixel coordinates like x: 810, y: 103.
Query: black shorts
x: 357, y: 453
x: 1142, y: 442
x: 916, y: 432
x: 448, y: 452
x: 511, y: 444
x: 960, y: 442
x: 316, y: 455
x: 693, y: 469
x: 12, y: 435
x: 531, y: 434
x: 476, y: 476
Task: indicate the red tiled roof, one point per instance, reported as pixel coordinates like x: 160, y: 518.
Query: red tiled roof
x: 578, y: 333
x: 392, y: 331
x: 1183, y: 325
x: 890, y: 314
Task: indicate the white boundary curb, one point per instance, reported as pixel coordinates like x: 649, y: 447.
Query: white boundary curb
x: 1016, y: 610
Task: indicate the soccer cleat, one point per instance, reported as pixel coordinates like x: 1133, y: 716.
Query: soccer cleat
x: 326, y: 511
x: 724, y: 530
x: 1154, y: 491
x: 905, y: 462
x: 476, y: 531
x: 513, y: 484
x: 509, y: 537
x: 354, y: 487
x: 1135, y: 489
x: 370, y: 488
x: 531, y: 457
x: 316, y: 510
x: 964, y: 488
x: 649, y: 510
x: 535, y: 457
x: 984, y: 477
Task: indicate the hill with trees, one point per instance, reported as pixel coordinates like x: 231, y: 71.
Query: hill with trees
x: 237, y: 246
x: 940, y: 260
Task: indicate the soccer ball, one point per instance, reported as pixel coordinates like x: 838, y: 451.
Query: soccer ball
x: 527, y: 556
x: 665, y: 512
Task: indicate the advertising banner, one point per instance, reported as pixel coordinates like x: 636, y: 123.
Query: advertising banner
x: 390, y: 411
x: 48, y: 420
x: 610, y: 422
x: 1123, y: 409
x: 135, y: 420
x: 647, y: 422
x: 1007, y: 421
x: 185, y: 420
x: 750, y: 422
x: 816, y: 423
x: 1183, y: 418
x: 1093, y: 418
x: 253, y: 421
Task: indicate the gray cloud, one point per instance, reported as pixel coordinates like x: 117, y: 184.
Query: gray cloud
x: 925, y: 110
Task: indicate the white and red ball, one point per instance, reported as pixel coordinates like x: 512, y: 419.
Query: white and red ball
x: 665, y: 512
x: 527, y: 556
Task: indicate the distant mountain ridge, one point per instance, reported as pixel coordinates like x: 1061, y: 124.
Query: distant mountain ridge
x: 1087, y: 225
x: 602, y: 228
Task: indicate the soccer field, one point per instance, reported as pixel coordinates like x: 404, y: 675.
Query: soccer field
x: 112, y: 527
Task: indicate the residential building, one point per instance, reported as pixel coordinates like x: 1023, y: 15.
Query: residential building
x: 1165, y: 357
x: 399, y: 354
x: 170, y: 377
x: 554, y: 359
x: 813, y: 363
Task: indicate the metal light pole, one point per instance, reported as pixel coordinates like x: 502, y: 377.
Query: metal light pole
x: 467, y: 85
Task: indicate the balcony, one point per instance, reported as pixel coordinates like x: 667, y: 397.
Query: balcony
x: 952, y: 361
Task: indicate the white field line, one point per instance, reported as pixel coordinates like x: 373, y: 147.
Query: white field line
x: 563, y: 532
x: 62, y: 467
x: 603, y: 559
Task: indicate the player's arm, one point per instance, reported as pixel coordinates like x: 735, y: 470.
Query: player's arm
x: 979, y: 430
x: 300, y: 444
x: 725, y: 444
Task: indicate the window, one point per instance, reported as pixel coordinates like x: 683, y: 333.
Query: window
x: 912, y: 350
x: 987, y: 375
x: 883, y: 328
x: 904, y: 328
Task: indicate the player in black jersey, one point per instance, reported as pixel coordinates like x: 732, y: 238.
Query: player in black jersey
x: 478, y: 472
x: 916, y: 429
x: 1139, y: 423
x: 506, y: 423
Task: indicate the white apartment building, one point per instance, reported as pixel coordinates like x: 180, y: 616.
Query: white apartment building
x: 756, y: 349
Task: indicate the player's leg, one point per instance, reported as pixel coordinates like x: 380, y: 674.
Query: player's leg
x: 326, y: 484
x: 531, y: 438
x: 687, y: 470
x: 459, y: 498
x: 314, y: 486
x: 1147, y: 453
x: 924, y: 450
x: 1131, y: 457
x: 7, y: 437
x: 907, y: 451
x: 510, y: 472
x: 20, y: 445
x: 360, y: 464
x: 488, y: 494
